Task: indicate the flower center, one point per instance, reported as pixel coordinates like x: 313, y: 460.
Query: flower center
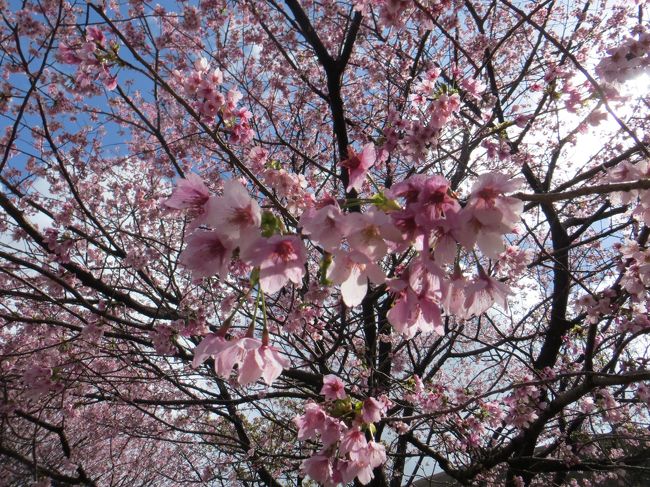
x: 371, y: 232
x: 285, y: 251
x: 197, y: 198
x: 216, y: 248
x: 242, y: 216
x: 437, y: 197
x: 488, y: 194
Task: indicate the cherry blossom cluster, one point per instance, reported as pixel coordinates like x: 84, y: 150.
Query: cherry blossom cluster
x: 436, y: 397
x: 596, y: 306
x: 643, y: 392
x: 629, y: 59
x: 431, y: 217
x: 524, y: 404
x: 376, y: 261
x: 345, y: 427
x: 357, y: 165
x: 201, y: 85
x: 59, y: 246
x: 40, y: 380
x: 94, y: 57
x: 609, y: 407
x: 430, y: 398
x: 391, y: 10
x: 232, y: 222
x: 420, y: 214
x: 513, y: 261
x: 415, y: 135
x: 626, y: 172
x: 254, y: 358
x: 162, y: 338
x: 496, y: 150
x: 635, y: 262
x: 394, y: 13
x: 288, y: 185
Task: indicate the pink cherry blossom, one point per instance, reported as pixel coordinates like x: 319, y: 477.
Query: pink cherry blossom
x: 352, y: 271
x: 488, y: 214
x: 643, y: 392
x: 627, y: 60
x: 324, y: 225
x: 207, y: 253
x: 137, y: 307
x: 490, y: 206
x: 210, y: 346
x: 235, y: 213
x: 263, y: 361
x: 331, y: 431
x: 442, y: 109
x: 345, y: 471
x: 409, y: 189
x: 314, y: 422
x: 363, y: 471
x: 67, y: 54
x: 39, y: 380
x: 311, y: 422
x: 353, y: 442
x: 472, y: 86
x: 483, y: 292
x: 442, y: 238
x: 434, y: 201
x: 254, y: 359
x: 190, y: 192
x: 454, y: 299
x: 92, y: 63
x: 233, y: 353
x: 471, y: 231
x: 162, y: 337
x: 418, y: 296
x: 333, y: 388
x: 369, y: 232
x: 365, y: 460
x: 358, y: 165
x: 375, y: 454
x: 280, y: 258
x: 319, y: 468
x: 95, y: 34
x: 413, y: 234
x: 373, y: 410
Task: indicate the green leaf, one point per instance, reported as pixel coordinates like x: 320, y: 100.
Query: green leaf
x: 384, y: 203
x: 325, y: 263
x: 271, y: 224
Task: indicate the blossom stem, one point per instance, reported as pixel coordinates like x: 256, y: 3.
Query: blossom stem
x: 251, y: 328
x: 356, y: 201
x: 372, y: 181
x: 228, y: 321
x: 265, y: 331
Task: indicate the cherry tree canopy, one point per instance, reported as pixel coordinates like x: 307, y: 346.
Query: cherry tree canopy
x: 251, y: 242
